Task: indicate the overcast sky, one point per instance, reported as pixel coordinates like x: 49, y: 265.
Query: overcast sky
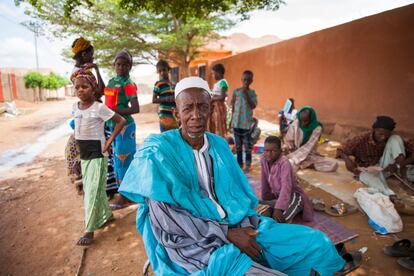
x: 296, y: 18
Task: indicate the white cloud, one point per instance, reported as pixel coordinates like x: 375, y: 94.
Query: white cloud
x: 17, y: 52
x: 299, y: 17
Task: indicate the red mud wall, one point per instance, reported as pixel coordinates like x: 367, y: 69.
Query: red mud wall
x: 1, y: 90
x: 350, y: 73
x: 13, y: 86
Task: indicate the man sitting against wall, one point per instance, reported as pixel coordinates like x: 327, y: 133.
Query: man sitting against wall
x: 378, y: 154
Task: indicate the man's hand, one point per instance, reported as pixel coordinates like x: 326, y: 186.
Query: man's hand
x: 392, y: 168
x: 349, y: 163
x: 278, y: 215
x: 245, y: 240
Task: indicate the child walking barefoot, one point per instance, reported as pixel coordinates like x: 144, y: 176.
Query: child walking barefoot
x: 90, y: 117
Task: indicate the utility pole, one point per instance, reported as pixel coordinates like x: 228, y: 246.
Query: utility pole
x: 35, y: 28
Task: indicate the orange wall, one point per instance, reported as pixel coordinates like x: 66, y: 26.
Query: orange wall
x: 1, y: 90
x: 13, y: 86
x: 349, y: 73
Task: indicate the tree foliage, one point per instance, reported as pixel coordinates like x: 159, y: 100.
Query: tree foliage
x: 53, y: 81
x: 178, y: 8
x: 33, y: 80
x: 172, y: 29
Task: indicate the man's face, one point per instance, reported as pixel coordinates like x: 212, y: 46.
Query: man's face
x: 193, y: 111
x: 305, y: 118
x: 271, y: 152
x: 381, y: 135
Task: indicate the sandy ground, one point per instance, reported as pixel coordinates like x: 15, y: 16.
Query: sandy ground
x: 42, y: 216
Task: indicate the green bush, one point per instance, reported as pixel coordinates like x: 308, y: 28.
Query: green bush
x: 38, y: 81
x: 53, y: 81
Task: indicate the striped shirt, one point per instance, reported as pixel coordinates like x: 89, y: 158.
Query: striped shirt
x: 165, y: 89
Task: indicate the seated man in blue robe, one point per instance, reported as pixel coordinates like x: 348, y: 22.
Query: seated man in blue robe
x: 197, y: 210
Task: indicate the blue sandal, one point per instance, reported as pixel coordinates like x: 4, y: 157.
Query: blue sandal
x: 84, y: 241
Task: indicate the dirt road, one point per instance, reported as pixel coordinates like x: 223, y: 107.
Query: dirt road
x: 42, y: 216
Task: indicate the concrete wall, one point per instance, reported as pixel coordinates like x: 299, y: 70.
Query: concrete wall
x: 350, y: 73
x: 8, y: 88
x: 12, y: 86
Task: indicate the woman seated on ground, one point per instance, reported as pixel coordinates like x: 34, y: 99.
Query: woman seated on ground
x: 280, y: 189
x: 301, y: 141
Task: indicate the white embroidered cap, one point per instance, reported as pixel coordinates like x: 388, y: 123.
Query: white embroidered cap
x: 191, y: 82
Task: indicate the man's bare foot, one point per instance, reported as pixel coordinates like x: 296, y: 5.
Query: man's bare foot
x: 120, y: 203
x: 86, y: 239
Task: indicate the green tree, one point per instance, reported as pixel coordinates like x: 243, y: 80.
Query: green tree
x: 53, y: 82
x: 149, y: 29
x: 34, y: 80
x: 38, y: 82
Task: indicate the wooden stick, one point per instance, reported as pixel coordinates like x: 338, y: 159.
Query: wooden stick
x: 404, y: 182
x: 78, y: 272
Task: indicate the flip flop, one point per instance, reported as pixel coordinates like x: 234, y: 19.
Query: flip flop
x: 402, y: 248
x: 318, y: 204
x: 115, y: 206
x: 353, y: 261
x: 85, y: 241
x: 340, y: 210
x: 406, y: 262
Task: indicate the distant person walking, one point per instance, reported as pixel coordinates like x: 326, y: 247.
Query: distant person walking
x: 218, y: 122
x: 163, y: 94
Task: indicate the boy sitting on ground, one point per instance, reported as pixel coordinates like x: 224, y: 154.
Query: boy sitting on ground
x: 280, y: 189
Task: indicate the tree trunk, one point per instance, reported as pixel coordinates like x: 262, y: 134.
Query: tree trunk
x: 41, y: 96
x: 35, y: 95
x: 186, y: 69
